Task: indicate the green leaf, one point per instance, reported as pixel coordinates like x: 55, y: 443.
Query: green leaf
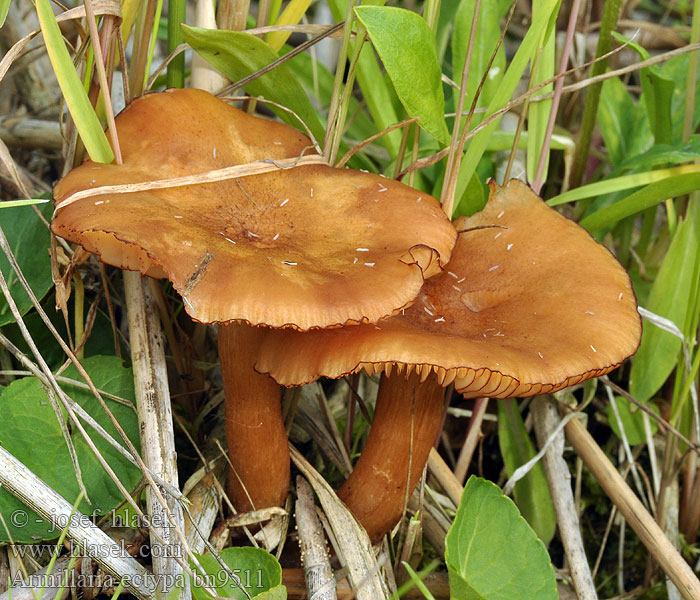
x: 474, y: 195
x: 29, y: 431
x: 99, y: 342
x: 657, y: 92
x: 672, y: 187
x: 29, y: 240
x: 624, y: 182
x: 279, y: 592
x: 531, y: 493
x: 622, y: 123
x: 526, y: 50
x: 676, y: 69
x: 658, y: 352
x: 406, y: 46
x: 237, y: 55
x: 663, y: 154
x: 258, y: 571
x: 491, y: 552
x: 632, y: 420
x: 488, y: 32
x: 81, y: 110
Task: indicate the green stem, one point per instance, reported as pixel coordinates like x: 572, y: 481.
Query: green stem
x: 339, y: 125
x: 142, y: 35
x: 336, y: 96
x: 176, y: 68
x: 402, y: 150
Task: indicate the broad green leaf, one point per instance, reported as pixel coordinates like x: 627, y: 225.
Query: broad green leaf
x: 491, y: 552
x: 99, y: 342
x: 258, y: 571
x: 632, y: 420
x: 642, y: 199
x: 81, y: 110
x: 657, y: 92
x: 406, y: 46
x: 527, y: 49
x: 538, y: 112
x: 488, y: 32
x: 676, y: 69
x: 658, y: 352
x: 531, y: 493
x: 29, y: 240
x: 622, y: 123
x: 237, y: 55
x: 29, y: 431
x: 662, y: 154
x: 279, y: 592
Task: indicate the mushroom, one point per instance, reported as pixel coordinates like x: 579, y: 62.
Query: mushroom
x: 300, y: 247
x: 528, y: 304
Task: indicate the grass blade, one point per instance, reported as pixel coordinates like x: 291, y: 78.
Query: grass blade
x: 640, y: 200
x: 522, y: 57
x: 81, y: 110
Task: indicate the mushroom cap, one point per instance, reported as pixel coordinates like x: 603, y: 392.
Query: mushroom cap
x: 528, y: 304
x: 309, y: 246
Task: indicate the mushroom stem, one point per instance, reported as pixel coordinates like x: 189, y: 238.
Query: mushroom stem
x: 396, y: 452
x: 257, y: 440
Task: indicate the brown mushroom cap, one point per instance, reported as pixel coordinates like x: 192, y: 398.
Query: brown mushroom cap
x: 310, y: 246
x: 528, y: 304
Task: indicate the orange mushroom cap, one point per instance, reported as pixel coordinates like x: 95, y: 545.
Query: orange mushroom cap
x: 528, y: 304
x: 309, y: 246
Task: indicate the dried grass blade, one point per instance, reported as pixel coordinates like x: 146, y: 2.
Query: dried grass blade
x: 363, y: 571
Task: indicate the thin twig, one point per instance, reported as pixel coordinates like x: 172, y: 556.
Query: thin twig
x: 471, y: 440
x: 546, y: 418
x: 660, y: 420
x: 633, y: 511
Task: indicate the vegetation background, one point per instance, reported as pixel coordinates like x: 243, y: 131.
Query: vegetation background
x: 594, y: 103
